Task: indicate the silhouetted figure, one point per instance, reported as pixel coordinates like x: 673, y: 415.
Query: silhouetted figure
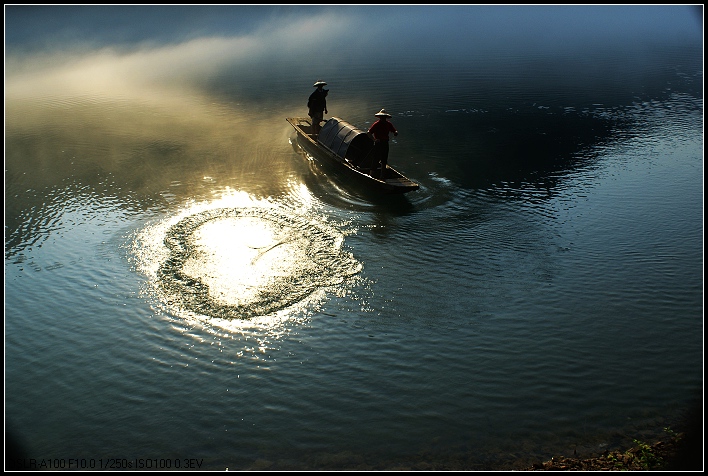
x: 317, y: 104
x: 379, y: 130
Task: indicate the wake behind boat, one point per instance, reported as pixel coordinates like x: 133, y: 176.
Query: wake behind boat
x: 350, y: 150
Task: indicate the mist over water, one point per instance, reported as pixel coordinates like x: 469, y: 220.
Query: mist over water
x: 183, y: 282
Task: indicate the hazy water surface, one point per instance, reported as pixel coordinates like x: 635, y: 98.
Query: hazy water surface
x: 182, y: 282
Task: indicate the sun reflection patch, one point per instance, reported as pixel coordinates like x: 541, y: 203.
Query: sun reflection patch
x: 244, y: 262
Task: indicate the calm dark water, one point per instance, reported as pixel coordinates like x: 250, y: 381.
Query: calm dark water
x: 182, y: 283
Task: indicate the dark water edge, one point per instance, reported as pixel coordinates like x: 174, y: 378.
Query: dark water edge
x: 671, y: 443
x: 676, y: 448
x: 661, y: 450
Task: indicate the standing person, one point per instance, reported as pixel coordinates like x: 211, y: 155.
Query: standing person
x: 316, y: 104
x: 379, y: 132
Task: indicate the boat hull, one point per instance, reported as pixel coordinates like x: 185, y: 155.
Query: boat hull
x: 393, y: 183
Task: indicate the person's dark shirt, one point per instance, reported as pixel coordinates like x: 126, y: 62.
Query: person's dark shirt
x: 381, y: 128
x: 317, y: 101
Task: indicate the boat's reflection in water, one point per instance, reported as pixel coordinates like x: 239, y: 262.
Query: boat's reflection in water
x: 240, y: 261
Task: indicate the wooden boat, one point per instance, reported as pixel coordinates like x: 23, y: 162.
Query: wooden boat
x: 350, y: 150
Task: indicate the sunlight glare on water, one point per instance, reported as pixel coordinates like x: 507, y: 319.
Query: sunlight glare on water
x: 238, y: 256
x: 241, y: 258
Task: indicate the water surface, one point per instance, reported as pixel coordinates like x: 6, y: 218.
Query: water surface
x: 182, y: 282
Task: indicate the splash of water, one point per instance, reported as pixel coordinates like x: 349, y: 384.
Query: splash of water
x: 244, y: 262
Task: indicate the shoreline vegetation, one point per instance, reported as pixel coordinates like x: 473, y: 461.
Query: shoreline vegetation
x: 678, y: 452
x: 671, y: 450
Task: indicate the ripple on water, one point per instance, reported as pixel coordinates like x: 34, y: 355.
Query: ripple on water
x: 239, y: 263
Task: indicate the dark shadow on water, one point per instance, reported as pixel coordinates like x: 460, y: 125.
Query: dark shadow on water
x: 689, y: 456
x: 16, y: 454
x: 485, y: 150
